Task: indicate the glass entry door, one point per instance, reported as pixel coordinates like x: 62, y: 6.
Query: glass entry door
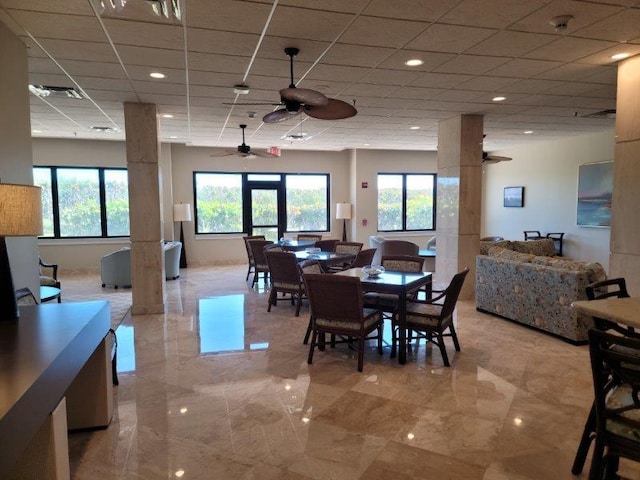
x: 266, y: 215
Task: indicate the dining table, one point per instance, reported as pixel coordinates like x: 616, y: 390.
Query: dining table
x: 296, y: 245
x: 395, y: 283
x: 325, y: 259
x: 625, y: 311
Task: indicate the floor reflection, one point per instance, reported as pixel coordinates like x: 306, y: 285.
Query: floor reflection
x: 221, y: 325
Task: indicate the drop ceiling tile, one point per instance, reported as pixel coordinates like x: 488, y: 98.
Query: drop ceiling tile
x: 381, y: 32
x: 390, y: 77
x: 43, y: 65
x: 75, y: 50
x: 568, y: 49
x: 416, y: 93
x: 152, y: 57
x: 441, y: 80
x: 604, y: 57
x: 460, y: 96
x: 574, y: 72
x: 608, y: 91
x: 471, y: 64
x: 70, y: 7
x: 273, y: 47
x: 621, y: 27
x: 583, y: 13
x: 210, y: 62
x: 229, y: 15
x: 47, y: 25
x: 487, y: 84
x: 491, y: 13
x: 352, y: 6
x: 111, y: 96
x: 570, y: 88
x: 226, y: 80
x: 356, y: 55
x: 201, y: 40
x: 77, y: 68
x: 449, y: 38
x: 510, y: 44
x: 531, y: 85
x: 368, y: 90
x: 123, y: 32
x: 336, y: 72
x: 607, y: 76
x: 420, y: 10
x: 523, y: 68
x: 292, y: 22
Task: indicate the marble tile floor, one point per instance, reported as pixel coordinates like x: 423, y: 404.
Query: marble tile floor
x: 217, y: 388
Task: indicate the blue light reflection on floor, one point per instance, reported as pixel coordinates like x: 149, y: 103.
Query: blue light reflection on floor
x: 221, y: 325
x: 126, y: 350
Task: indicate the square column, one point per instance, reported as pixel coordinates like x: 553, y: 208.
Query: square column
x: 624, y: 257
x: 459, y: 198
x: 145, y: 215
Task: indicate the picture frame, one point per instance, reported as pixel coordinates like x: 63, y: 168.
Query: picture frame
x: 513, y: 197
x: 595, y: 191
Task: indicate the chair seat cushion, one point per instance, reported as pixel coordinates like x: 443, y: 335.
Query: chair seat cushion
x: 289, y: 286
x: 423, y: 314
x: 372, y: 317
x: 48, y: 281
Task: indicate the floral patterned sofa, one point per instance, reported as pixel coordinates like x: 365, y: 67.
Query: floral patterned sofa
x: 524, y: 282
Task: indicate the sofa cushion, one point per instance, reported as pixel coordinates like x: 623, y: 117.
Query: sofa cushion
x: 543, y: 246
x: 507, y: 254
x: 595, y: 271
x: 486, y: 245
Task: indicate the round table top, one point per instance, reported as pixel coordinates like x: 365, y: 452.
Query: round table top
x: 49, y: 293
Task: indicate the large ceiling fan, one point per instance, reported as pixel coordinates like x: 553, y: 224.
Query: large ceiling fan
x: 488, y: 158
x: 297, y: 100
x: 243, y: 150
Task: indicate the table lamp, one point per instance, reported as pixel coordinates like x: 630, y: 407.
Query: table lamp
x: 182, y: 213
x: 343, y: 212
x: 20, y: 216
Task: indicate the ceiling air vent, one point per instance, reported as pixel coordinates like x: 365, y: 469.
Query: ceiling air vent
x: 610, y: 113
x: 104, y: 129
x: 50, y: 90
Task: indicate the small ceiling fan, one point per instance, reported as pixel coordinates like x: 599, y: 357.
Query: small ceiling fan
x: 243, y: 150
x: 297, y: 100
x: 487, y: 158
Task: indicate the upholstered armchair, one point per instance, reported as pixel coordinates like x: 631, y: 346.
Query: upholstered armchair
x: 50, y: 280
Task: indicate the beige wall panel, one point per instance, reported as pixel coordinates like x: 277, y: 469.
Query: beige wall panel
x: 628, y: 100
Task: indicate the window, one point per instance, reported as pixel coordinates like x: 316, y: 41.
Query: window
x: 83, y: 202
x: 307, y: 197
x: 253, y: 202
x: 406, y: 202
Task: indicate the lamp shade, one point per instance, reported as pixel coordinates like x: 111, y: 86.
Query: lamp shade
x: 182, y: 212
x: 20, y: 210
x: 343, y: 211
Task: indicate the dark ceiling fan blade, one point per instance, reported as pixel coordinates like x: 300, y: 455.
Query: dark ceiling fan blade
x: 305, y: 96
x: 262, y: 154
x: 226, y: 153
x: 253, y: 103
x: 279, y: 116
x: 334, y: 110
x: 486, y: 158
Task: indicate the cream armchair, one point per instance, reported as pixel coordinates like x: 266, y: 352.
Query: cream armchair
x: 115, y: 267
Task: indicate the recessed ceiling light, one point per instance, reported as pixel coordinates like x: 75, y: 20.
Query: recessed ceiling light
x: 499, y: 99
x: 167, y: 115
x: 414, y: 127
x: 157, y: 75
x: 528, y: 132
x: 414, y: 62
x: 241, y: 89
x: 366, y: 144
x: 173, y: 136
x: 36, y: 131
x: 620, y: 56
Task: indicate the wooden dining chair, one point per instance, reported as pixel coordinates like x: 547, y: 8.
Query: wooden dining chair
x: 257, y: 250
x: 252, y: 262
x: 312, y: 237
x: 328, y: 245
x: 615, y: 365
x: 337, y: 309
x: 286, y: 278
x: 431, y: 318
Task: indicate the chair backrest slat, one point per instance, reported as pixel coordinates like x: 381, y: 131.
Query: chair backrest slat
x: 335, y: 297
x: 452, y: 292
x: 402, y: 263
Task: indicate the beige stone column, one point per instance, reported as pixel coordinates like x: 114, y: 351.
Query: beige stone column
x: 459, y: 198
x: 624, y: 259
x: 145, y: 215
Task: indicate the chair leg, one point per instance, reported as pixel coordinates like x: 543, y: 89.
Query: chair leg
x: 443, y: 350
x: 313, y: 345
x: 360, y: 353
x: 306, y: 335
x: 114, y: 360
x: 248, y: 273
x: 380, y: 329
x: 595, y: 473
x: 299, y: 304
x: 454, y: 337
x: 272, y: 298
x: 585, y: 442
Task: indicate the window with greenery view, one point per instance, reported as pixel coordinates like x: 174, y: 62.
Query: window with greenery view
x: 83, y: 202
x: 220, y: 201
x: 307, y: 197
x: 406, y: 202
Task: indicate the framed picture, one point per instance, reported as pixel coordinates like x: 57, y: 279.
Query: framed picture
x: 595, y: 188
x: 513, y: 196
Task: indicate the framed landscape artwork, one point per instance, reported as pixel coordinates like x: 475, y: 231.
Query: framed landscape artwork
x: 513, y: 197
x: 595, y: 187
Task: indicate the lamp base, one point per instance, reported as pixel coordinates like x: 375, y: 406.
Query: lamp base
x: 183, y: 252
x: 344, y: 230
x: 8, y: 304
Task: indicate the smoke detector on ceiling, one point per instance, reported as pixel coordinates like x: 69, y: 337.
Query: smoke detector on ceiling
x: 561, y: 23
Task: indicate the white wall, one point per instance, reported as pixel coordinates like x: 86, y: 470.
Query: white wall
x: 549, y: 173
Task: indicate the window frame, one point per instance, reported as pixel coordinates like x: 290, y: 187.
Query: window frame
x: 55, y: 201
x: 245, y: 181
x: 404, y: 176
